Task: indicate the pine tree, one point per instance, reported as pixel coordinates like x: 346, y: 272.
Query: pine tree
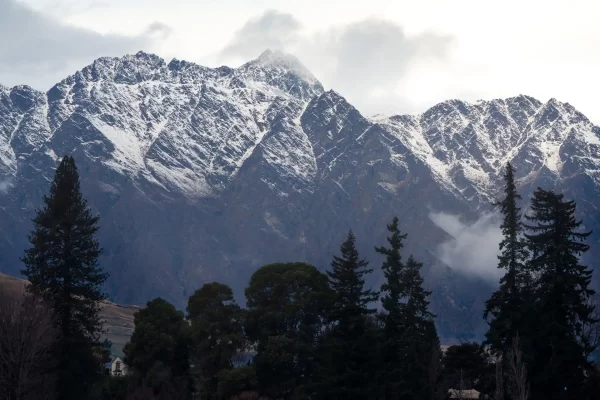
x: 394, y: 288
x: 562, y: 296
x: 419, y: 334
x: 347, y: 359
x: 393, y: 347
x: 347, y: 280
x: 417, y: 304
x: 408, y: 328
x: 62, y: 266
x: 505, y: 307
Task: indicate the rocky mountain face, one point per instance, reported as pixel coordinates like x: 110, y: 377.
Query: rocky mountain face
x: 202, y: 174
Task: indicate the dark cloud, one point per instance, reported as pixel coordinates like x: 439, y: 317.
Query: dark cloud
x: 364, y: 60
x: 39, y: 50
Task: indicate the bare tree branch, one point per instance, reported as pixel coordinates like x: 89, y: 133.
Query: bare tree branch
x: 27, y: 337
x: 499, y: 393
x: 590, y: 337
x: 434, y: 369
x: 518, y: 388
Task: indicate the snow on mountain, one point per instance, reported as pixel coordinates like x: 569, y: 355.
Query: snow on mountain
x: 189, y: 128
x: 23, y: 125
x: 184, y: 127
x: 466, y: 145
x: 203, y: 174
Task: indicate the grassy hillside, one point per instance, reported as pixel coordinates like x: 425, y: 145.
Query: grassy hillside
x: 117, y: 319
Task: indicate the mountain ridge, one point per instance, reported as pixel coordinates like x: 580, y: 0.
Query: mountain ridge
x: 203, y: 174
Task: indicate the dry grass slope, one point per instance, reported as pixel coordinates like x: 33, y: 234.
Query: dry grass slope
x: 118, y: 319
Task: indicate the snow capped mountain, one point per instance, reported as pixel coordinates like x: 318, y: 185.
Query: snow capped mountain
x: 465, y: 145
x: 204, y: 174
x: 183, y: 127
x: 188, y: 128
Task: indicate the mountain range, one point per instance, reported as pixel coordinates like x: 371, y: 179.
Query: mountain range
x: 204, y: 174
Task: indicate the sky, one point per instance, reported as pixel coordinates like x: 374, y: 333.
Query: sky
x: 388, y: 57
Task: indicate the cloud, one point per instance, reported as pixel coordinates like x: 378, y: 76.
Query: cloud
x: 365, y: 60
x: 374, y: 52
x: 272, y: 30
x: 72, y: 7
x: 158, y: 30
x: 473, y: 248
x: 40, y: 50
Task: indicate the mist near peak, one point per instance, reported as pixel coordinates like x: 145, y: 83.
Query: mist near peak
x: 473, y: 248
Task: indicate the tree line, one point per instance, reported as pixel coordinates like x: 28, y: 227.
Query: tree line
x: 305, y: 334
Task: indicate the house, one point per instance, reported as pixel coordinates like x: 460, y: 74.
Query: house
x: 116, y: 367
x: 463, y: 394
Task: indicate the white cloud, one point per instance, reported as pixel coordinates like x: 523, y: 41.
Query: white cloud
x: 272, y: 30
x: 543, y: 48
x: 474, y: 247
x: 363, y: 60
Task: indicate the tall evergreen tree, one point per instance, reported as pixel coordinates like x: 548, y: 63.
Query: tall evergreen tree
x: 347, y: 359
x: 408, y: 328
x: 393, y: 346
x: 417, y: 304
x: 394, y: 287
x: 346, y: 278
x: 505, y: 307
x: 420, y: 332
x: 62, y: 266
x: 563, y: 310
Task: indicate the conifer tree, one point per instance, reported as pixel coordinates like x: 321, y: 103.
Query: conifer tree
x: 408, y: 328
x: 394, y: 288
x: 394, y: 346
x: 417, y: 304
x: 62, y: 266
x: 563, y: 312
x: 347, y: 360
x: 347, y: 281
x: 505, y: 307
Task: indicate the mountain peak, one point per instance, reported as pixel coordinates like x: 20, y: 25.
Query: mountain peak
x: 285, y: 62
x: 282, y: 71
x: 181, y: 153
x: 269, y: 56
x: 143, y: 54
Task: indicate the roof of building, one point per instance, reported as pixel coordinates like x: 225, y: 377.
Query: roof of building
x: 463, y: 394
